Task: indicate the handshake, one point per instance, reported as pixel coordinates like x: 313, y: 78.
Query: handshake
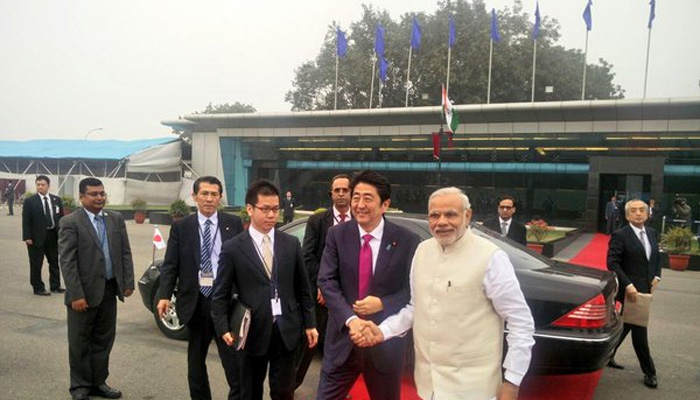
x: 364, y: 333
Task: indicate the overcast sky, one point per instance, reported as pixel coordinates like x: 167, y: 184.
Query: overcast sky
x: 69, y: 67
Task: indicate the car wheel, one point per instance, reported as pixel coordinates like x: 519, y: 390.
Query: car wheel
x: 170, y: 324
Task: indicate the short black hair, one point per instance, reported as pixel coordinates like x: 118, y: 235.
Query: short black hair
x: 339, y: 176
x: 212, y: 180
x: 43, y: 178
x: 506, y: 197
x: 260, y: 187
x: 82, y: 186
x: 370, y: 177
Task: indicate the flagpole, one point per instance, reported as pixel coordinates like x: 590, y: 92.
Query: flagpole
x: 335, y: 103
x: 534, y: 66
x: 153, y: 258
x: 585, y: 60
x: 408, y: 73
x: 371, y: 87
x: 646, y: 68
x: 488, y: 94
x: 449, y: 54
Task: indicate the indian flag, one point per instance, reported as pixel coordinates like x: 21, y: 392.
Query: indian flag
x: 451, y: 116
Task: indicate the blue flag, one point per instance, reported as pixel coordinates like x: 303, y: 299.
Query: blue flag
x: 383, y: 67
x: 415, y: 34
x: 536, y: 28
x: 451, y: 40
x: 495, y: 36
x: 379, y: 40
x: 587, y: 16
x: 652, y: 13
x: 341, y: 43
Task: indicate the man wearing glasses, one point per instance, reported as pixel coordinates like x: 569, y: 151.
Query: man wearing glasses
x: 265, y: 269
x: 191, y: 262
x: 505, y: 224
x: 95, y: 259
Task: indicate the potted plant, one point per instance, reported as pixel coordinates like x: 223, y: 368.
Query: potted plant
x: 676, y: 242
x: 537, y: 229
x: 178, y: 209
x: 68, y: 204
x: 140, y: 207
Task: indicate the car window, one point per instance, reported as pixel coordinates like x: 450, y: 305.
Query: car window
x: 296, y: 229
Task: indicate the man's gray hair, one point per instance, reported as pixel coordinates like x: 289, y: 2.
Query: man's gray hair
x: 627, y: 206
x: 452, y: 190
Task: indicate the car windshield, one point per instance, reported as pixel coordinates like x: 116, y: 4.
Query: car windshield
x: 520, y: 256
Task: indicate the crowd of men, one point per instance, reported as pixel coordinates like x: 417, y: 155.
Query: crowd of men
x: 359, y: 283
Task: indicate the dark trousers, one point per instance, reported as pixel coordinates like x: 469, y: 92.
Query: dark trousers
x: 282, y: 371
x: 202, y: 332
x: 336, y: 381
x: 640, y: 342
x: 288, y: 218
x: 49, y: 249
x: 306, y: 355
x: 10, y: 209
x: 611, y: 225
x: 90, y: 340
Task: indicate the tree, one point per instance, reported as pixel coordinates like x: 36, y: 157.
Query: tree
x: 226, y: 108
x: 313, y: 86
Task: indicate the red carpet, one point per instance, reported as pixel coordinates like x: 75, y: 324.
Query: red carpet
x: 553, y: 387
x: 594, y: 254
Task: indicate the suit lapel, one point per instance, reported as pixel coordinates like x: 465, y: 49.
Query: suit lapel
x: 225, y: 228
x: 637, y: 241
x: 385, y: 248
x: 191, y: 227
x: 351, y: 236
x: 85, y: 219
x: 248, y: 249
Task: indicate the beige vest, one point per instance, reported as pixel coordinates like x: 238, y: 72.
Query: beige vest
x: 458, y: 336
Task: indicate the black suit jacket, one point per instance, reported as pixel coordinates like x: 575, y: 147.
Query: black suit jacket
x: 33, y: 219
x: 241, y: 272
x: 626, y: 257
x: 338, y: 280
x: 516, y: 231
x: 182, y: 260
x: 314, y: 243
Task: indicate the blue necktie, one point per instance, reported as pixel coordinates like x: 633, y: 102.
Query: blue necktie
x: 104, y: 242
x: 206, y: 257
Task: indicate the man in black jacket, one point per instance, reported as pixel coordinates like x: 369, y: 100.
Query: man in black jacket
x: 314, y: 243
x: 40, y: 216
x: 191, y: 260
x: 505, y: 224
x: 633, y: 254
x: 265, y: 269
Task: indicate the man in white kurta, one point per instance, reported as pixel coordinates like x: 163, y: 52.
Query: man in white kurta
x: 463, y: 289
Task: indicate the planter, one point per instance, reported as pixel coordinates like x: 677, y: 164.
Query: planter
x: 538, y: 247
x: 678, y: 262
x: 139, y: 217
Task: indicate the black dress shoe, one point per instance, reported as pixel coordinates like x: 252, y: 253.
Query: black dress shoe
x: 613, y: 364
x: 105, y: 391
x: 80, y: 396
x: 650, y: 381
x: 42, y: 292
x: 58, y: 290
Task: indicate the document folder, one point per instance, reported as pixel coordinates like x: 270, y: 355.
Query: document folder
x: 239, y: 323
x: 637, y: 313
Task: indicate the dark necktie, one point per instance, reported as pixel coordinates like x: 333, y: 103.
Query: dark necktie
x: 47, y: 213
x: 104, y: 243
x: 365, y: 267
x: 206, y: 257
x: 342, y: 217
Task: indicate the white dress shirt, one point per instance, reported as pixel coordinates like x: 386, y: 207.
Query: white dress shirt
x: 215, y: 236
x: 257, y: 237
x: 336, y: 216
x: 502, y: 288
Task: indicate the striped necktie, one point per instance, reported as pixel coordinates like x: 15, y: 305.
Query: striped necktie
x: 206, y: 257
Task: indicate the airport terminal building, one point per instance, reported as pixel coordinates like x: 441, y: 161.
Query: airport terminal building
x: 560, y: 160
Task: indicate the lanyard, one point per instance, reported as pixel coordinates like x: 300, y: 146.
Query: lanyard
x: 273, y: 271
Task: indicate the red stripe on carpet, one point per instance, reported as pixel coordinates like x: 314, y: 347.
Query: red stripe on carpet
x: 594, y: 254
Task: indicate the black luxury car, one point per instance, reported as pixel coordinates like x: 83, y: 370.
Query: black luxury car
x: 576, y: 317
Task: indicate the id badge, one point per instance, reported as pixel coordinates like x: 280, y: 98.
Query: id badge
x: 206, y: 279
x: 276, y: 307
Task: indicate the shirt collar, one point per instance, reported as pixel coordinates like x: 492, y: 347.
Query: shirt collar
x: 336, y: 214
x: 501, y: 221
x: 203, y: 219
x: 637, y: 230
x: 376, y: 232
x: 92, y: 216
x: 257, y: 236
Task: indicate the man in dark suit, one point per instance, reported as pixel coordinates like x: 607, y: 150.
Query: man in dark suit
x: 314, y: 243
x: 654, y: 216
x: 41, y: 214
x: 364, y: 275
x: 97, y: 268
x: 191, y: 262
x: 10, y: 197
x: 633, y: 254
x: 612, y: 215
x: 265, y: 269
x: 505, y: 223
x: 288, y: 206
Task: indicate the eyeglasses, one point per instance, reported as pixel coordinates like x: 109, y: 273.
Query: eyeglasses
x: 267, y: 210
x: 96, y: 194
x: 505, y: 207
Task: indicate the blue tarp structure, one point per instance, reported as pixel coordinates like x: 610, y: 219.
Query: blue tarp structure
x: 84, y: 149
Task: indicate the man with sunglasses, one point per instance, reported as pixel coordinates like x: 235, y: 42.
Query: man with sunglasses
x: 95, y: 258
x: 505, y: 224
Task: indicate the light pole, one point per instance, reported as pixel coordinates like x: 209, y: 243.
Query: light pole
x: 90, y: 131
